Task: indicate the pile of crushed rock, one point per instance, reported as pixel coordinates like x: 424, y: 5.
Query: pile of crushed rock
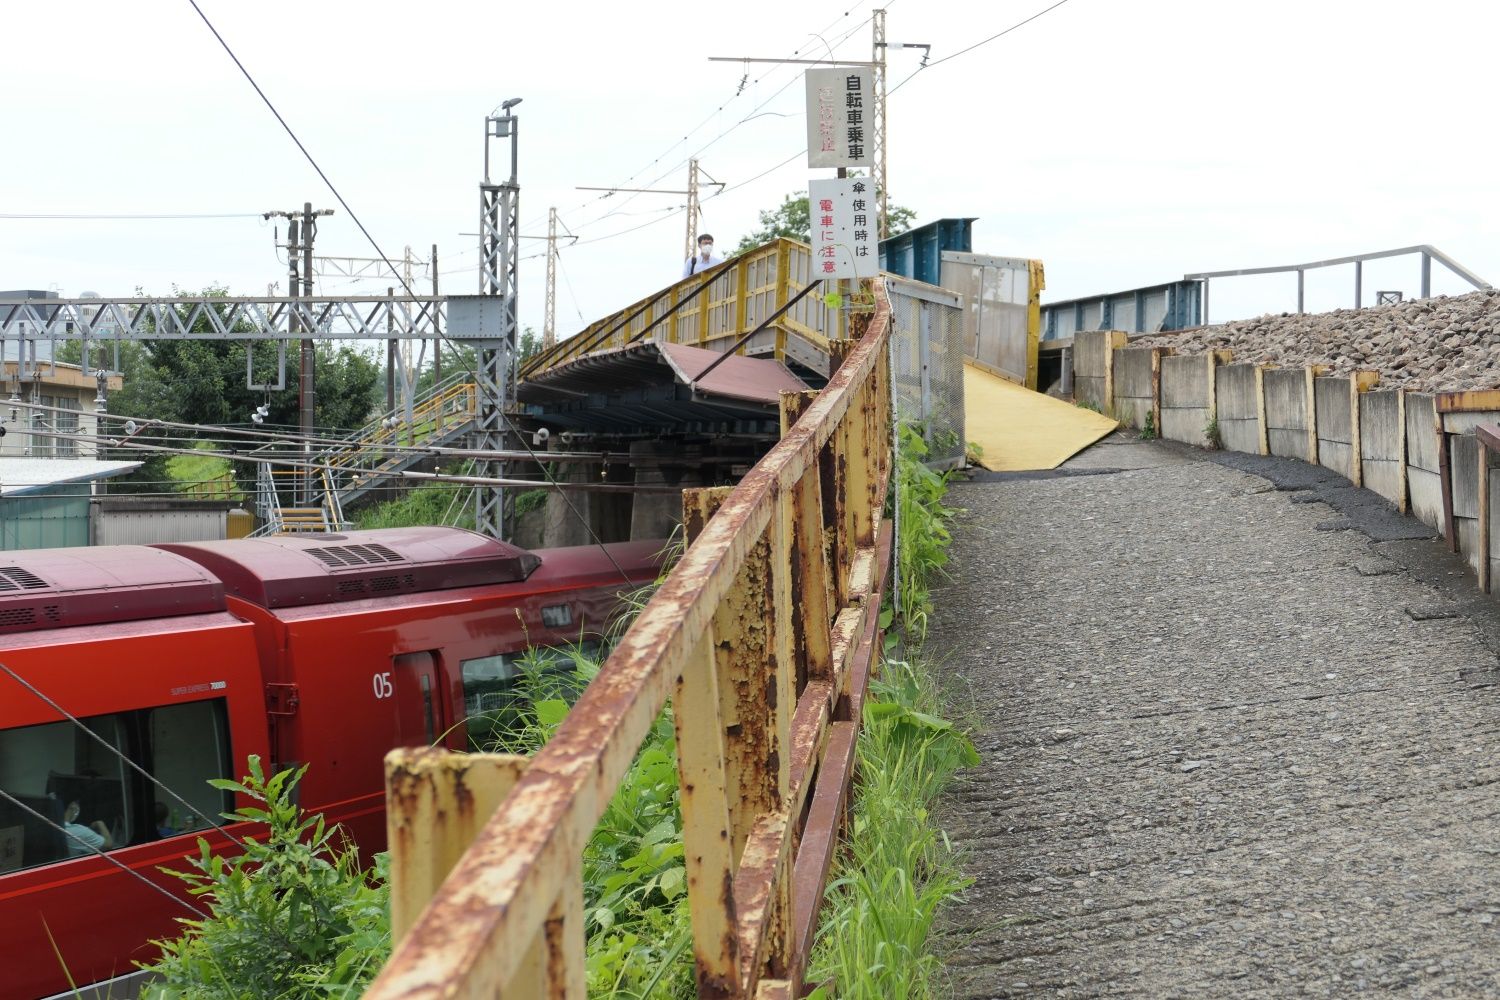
x: 1430, y: 345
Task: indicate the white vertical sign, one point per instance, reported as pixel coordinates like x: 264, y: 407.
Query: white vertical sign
x: 842, y: 213
x: 838, y: 105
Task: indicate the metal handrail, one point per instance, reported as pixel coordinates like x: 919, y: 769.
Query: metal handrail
x: 772, y: 615
x: 1428, y: 251
x: 740, y: 295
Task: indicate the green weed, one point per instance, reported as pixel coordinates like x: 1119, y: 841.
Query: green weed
x: 898, y: 869
x: 1211, y: 435
x: 291, y: 917
x: 1088, y: 404
x: 428, y: 504
x: 1148, y: 426
x: 922, y: 530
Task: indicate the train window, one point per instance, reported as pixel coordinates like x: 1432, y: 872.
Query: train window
x: 490, y: 689
x: 66, y: 795
x: 557, y: 616
x: 487, y: 682
x: 489, y: 697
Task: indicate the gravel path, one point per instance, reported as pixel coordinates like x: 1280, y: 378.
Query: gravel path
x: 1227, y: 753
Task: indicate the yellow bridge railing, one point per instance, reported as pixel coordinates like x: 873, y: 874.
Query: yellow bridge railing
x: 716, y: 308
x: 763, y: 637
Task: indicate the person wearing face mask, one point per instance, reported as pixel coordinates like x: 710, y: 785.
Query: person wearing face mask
x: 704, y: 259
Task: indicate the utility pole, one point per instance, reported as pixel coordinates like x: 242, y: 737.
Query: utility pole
x: 301, y: 230
x: 693, y: 203
x: 437, y: 327
x: 549, y: 321
x: 877, y: 21
x: 877, y: 66
x: 692, y: 210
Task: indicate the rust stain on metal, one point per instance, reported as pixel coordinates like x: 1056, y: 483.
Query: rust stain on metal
x: 808, y: 726
x: 761, y: 865
x: 497, y: 897
x: 815, y: 853
x: 1468, y: 401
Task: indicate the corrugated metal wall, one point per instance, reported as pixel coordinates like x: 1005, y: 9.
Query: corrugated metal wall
x: 927, y: 354
x: 148, y: 527
x: 57, y: 520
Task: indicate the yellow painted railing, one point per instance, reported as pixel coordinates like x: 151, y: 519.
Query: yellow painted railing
x: 451, y: 406
x: 763, y: 638
x: 739, y: 296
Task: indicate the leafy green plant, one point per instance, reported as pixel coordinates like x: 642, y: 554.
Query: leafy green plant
x: 1088, y: 404
x: 898, y: 868
x: 922, y: 529
x: 1148, y: 426
x: 292, y: 917
x: 1211, y: 435
x: 639, y: 930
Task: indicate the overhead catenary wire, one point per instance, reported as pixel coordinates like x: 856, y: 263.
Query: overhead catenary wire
x: 385, y: 258
x: 712, y: 115
x: 299, y: 464
x: 931, y: 65
x: 130, y: 216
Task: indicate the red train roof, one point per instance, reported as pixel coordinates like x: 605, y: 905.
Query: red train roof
x: 600, y: 566
x: 60, y: 588
x: 286, y: 571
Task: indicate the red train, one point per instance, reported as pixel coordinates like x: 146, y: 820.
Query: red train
x: 326, y: 649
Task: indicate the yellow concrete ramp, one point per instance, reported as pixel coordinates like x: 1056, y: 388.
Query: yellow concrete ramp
x: 1019, y: 430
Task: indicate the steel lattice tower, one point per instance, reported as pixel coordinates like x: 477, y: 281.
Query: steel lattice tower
x: 499, y: 252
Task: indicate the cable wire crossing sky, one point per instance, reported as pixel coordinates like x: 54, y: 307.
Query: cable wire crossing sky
x: 1121, y: 144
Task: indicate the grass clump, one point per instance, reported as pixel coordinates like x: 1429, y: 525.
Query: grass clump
x: 427, y: 504
x: 206, y: 476
x: 898, y: 869
x: 1211, y: 436
x: 922, y: 530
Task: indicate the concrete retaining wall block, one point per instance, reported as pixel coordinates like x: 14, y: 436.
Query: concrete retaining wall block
x: 1382, y: 444
x: 1238, y: 392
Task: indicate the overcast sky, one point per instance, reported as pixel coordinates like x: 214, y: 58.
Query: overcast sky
x: 1122, y: 142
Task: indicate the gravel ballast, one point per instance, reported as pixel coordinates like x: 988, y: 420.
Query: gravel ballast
x: 1440, y: 344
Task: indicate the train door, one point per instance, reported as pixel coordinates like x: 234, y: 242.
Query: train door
x: 423, y: 716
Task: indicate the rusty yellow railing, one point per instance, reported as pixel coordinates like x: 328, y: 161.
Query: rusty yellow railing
x: 763, y: 637
x: 739, y: 296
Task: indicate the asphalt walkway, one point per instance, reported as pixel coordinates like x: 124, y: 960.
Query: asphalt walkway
x: 1239, y: 735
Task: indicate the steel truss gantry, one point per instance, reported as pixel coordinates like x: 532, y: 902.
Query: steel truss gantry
x: 232, y: 318
x: 499, y: 255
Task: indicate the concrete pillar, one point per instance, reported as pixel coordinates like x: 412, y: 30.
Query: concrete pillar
x: 562, y: 526
x: 656, y: 515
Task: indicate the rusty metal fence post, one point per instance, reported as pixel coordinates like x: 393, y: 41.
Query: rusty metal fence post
x: 763, y: 636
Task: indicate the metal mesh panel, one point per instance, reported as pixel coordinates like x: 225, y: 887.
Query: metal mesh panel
x: 927, y: 346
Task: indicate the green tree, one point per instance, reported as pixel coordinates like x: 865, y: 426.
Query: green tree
x: 791, y: 219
